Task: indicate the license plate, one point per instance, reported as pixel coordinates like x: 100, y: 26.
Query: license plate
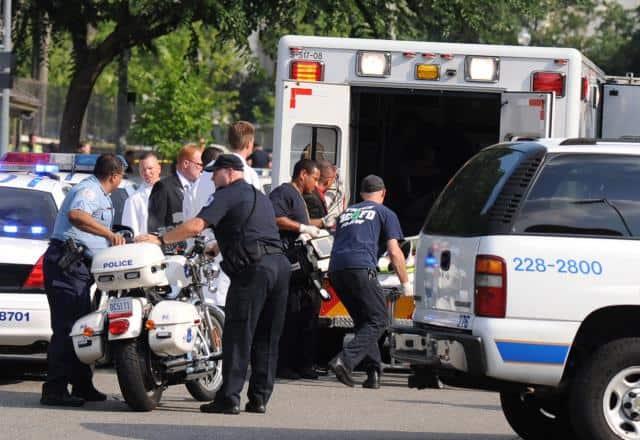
x: 119, y: 306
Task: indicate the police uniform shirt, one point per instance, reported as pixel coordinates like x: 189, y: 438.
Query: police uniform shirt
x: 288, y: 202
x: 359, y: 230
x: 229, y: 209
x: 87, y: 196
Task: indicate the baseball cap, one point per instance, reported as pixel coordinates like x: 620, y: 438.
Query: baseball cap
x: 226, y: 161
x: 371, y: 184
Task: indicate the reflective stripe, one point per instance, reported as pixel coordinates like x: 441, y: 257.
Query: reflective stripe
x: 8, y: 178
x: 34, y: 182
x: 535, y: 353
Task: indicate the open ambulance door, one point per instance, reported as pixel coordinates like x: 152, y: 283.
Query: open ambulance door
x: 312, y: 120
x: 525, y: 115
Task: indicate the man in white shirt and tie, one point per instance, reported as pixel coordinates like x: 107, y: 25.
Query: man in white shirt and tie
x: 135, y: 211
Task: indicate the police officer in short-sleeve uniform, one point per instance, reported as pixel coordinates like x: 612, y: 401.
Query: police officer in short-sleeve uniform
x: 257, y: 296
x: 85, y: 218
x: 352, y: 272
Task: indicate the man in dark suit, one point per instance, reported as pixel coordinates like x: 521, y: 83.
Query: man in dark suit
x: 167, y: 195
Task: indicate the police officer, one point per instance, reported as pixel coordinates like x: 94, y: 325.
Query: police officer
x: 82, y: 227
x: 242, y: 216
x: 352, y: 272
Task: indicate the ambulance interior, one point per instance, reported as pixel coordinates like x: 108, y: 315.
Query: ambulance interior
x: 416, y: 140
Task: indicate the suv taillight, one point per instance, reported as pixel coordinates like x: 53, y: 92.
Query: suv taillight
x: 491, y: 287
x: 35, y: 280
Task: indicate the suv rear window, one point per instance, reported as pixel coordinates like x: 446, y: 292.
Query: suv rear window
x: 584, y: 194
x: 463, y: 207
x: 26, y: 214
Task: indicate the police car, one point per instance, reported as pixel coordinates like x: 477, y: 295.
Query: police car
x: 32, y: 188
x: 528, y: 283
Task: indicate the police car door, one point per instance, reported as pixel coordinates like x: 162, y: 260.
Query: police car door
x: 525, y: 115
x: 314, y: 124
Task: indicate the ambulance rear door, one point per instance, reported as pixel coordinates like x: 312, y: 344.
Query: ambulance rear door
x: 526, y: 115
x: 313, y: 122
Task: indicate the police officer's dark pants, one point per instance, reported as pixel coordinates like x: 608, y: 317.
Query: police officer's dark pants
x: 298, y: 345
x: 254, y: 317
x: 69, y: 299
x: 361, y: 293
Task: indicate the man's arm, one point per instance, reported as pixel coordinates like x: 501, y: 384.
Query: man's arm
x: 129, y: 216
x: 188, y: 229
x: 85, y: 222
x: 397, y: 258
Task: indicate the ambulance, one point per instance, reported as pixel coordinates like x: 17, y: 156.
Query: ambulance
x: 414, y: 112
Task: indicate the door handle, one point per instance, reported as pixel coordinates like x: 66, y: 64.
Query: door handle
x: 445, y: 260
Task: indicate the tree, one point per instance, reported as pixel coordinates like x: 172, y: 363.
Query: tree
x: 195, y: 86
x: 100, y: 30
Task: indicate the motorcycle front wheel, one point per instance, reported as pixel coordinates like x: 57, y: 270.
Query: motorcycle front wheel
x: 205, y: 388
x: 140, y: 389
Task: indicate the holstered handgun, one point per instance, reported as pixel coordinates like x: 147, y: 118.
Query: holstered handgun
x: 72, y: 253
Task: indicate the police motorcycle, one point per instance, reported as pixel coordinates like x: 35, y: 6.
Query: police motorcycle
x: 154, y: 322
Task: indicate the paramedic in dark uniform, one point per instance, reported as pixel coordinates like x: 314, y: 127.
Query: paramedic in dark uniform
x: 257, y: 296
x: 86, y: 218
x: 352, y: 272
x: 299, y: 337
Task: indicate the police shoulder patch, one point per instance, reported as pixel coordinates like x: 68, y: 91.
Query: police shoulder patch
x: 89, y: 194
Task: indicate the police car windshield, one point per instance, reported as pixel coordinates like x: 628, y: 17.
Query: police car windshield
x: 26, y: 214
x: 584, y: 194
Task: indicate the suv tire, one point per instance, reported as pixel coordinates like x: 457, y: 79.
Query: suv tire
x: 605, y: 394
x: 535, y: 418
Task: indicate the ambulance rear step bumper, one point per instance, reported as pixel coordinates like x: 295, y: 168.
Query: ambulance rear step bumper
x: 438, y: 349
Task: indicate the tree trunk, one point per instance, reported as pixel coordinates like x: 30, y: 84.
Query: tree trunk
x: 123, y: 110
x: 40, y: 68
x: 76, y: 102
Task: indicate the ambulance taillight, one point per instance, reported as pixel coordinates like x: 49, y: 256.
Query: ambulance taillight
x: 548, y: 82
x: 307, y: 71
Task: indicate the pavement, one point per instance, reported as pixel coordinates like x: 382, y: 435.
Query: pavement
x: 312, y: 410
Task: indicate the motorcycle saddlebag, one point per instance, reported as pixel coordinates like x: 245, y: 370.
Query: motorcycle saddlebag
x: 173, y: 330
x: 88, y: 337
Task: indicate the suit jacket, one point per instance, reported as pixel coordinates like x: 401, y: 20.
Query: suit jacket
x: 165, y: 201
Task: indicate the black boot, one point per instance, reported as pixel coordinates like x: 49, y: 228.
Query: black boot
x: 56, y: 396
x: 88, y: 393
x: 373, y: 380
x: 220, y: 408
x: 341, y: 371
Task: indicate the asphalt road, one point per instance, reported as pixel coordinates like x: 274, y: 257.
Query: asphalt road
x: 309, y: 410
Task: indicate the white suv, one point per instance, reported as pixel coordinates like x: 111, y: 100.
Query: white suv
x: 528, y: 283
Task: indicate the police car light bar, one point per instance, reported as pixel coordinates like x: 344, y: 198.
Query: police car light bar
x: 45, y: 162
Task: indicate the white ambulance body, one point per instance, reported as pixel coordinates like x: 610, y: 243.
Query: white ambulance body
x: 360, y: 104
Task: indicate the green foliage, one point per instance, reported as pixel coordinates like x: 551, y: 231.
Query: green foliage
x: 599, y: 28
x: 185, y: 85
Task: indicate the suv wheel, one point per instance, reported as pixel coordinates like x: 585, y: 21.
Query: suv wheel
x: 605, y: 395
x: 535, y: 418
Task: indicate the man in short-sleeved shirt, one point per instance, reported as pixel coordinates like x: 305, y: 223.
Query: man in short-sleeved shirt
x: 352, y: 272
x: 299, y: 338
x: 257, y: 297
x: 85, y: 217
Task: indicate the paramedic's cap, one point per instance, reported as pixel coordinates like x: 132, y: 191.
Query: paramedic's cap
x: 371, y: 184
x: 226, y: 161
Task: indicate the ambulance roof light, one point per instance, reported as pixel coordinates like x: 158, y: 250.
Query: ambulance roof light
x: 481, y: 69
x: 370, y: 63
x: 307, y: 71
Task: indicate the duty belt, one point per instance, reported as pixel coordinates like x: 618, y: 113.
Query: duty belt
x: 269, y: 249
